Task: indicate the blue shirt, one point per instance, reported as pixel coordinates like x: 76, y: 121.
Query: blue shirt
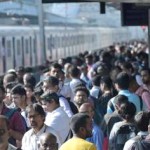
x: 97, y: 137
x: 131, y: 97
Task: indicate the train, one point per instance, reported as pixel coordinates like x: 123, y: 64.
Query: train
x: 20, y: 45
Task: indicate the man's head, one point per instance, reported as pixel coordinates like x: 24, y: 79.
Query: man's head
x: 48, y: 142
x: 145, y: 75
x: 50, y: 101
x: 36, y: 116
x: 81, y: 125
x: 81, y: 96
x: 74, y: 72
x: 51, y: 84
x: 88, y: 109
x: 29, y: 78
x: 120, y: 99
x: 122, y: 81
x: 142, y: 120
x: 55, y: 69
x: 18, y: 95
x: 4, y: 131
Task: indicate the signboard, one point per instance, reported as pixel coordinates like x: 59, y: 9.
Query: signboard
x: 134, y: 14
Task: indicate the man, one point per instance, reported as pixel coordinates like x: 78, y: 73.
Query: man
x: 142, y: 122
x: 122, y: 85
x: 97, y: 137
x: 81, y: 96
x: 36, y: 117
x: 144, y: 90
x: 18, y: 95
x: 17, y: 127
x: 56, y: 116
x: 48, y: 141
x: 81, y: 126
x: 4, y: 134
x: 51, y: 84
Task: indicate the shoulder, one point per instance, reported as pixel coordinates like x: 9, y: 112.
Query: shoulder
x: 11, y: 147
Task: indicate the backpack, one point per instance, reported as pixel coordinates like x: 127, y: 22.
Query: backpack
x: 139, y: 143
x: 124, y: 133
x: 10, y: 113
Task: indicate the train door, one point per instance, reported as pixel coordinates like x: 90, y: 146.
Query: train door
x: 9, y: 53
x: 34, y: 51
x: 26, y: 51
x: 18, y: 51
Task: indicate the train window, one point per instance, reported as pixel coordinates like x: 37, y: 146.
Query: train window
x: 8, y: 45
x: 18, y: 47
x: 26, y: 46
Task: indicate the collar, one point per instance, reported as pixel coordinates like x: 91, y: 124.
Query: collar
x: 56, y: 110
x: 123, y: 91
x: 42, y: 130
x: 143, y: 133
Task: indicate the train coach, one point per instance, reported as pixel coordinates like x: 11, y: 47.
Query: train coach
x: 20, y: 46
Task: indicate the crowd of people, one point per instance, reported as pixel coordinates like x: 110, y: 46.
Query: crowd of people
x: 93, y: 101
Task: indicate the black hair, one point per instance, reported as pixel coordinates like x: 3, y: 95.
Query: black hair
x: 74, y: 71
x: 47, y: 96
x: 123, y: 80
x: 36, y: 107
x: 142, y: 120
x: 77, y: 121
x: 120, y: 99
x: 55, y: 65
x: 127, y: 110
x: 107, y: 81
x: 30, y: 79
x: 52, y: 80
x: 38, y: 91
x: 96, y: 80
x: 30, y: 86
x: 82, y: 88
x: 18, y: 89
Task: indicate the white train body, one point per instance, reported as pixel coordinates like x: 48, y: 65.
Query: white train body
x: 20, y: 46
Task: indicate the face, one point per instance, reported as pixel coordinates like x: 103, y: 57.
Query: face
x: 55, y: 72
x: 47, y: 106
x: 29, y: 92
x: 48, y: 144
x: 36, y: 120
x: 8, y: 98
x: 4, y: 133
x: 80, y: 98
x: 89, y: 110
x: 48, y: 87
x: 17, y: 99
x: 145, y: 76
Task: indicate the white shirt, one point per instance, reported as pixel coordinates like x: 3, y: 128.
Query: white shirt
x: 66, y: 90
x: 30, y: 140
x: 73, y: 84
x: 65, y: 105
x: 95, y: 91
x: 59, y: 121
